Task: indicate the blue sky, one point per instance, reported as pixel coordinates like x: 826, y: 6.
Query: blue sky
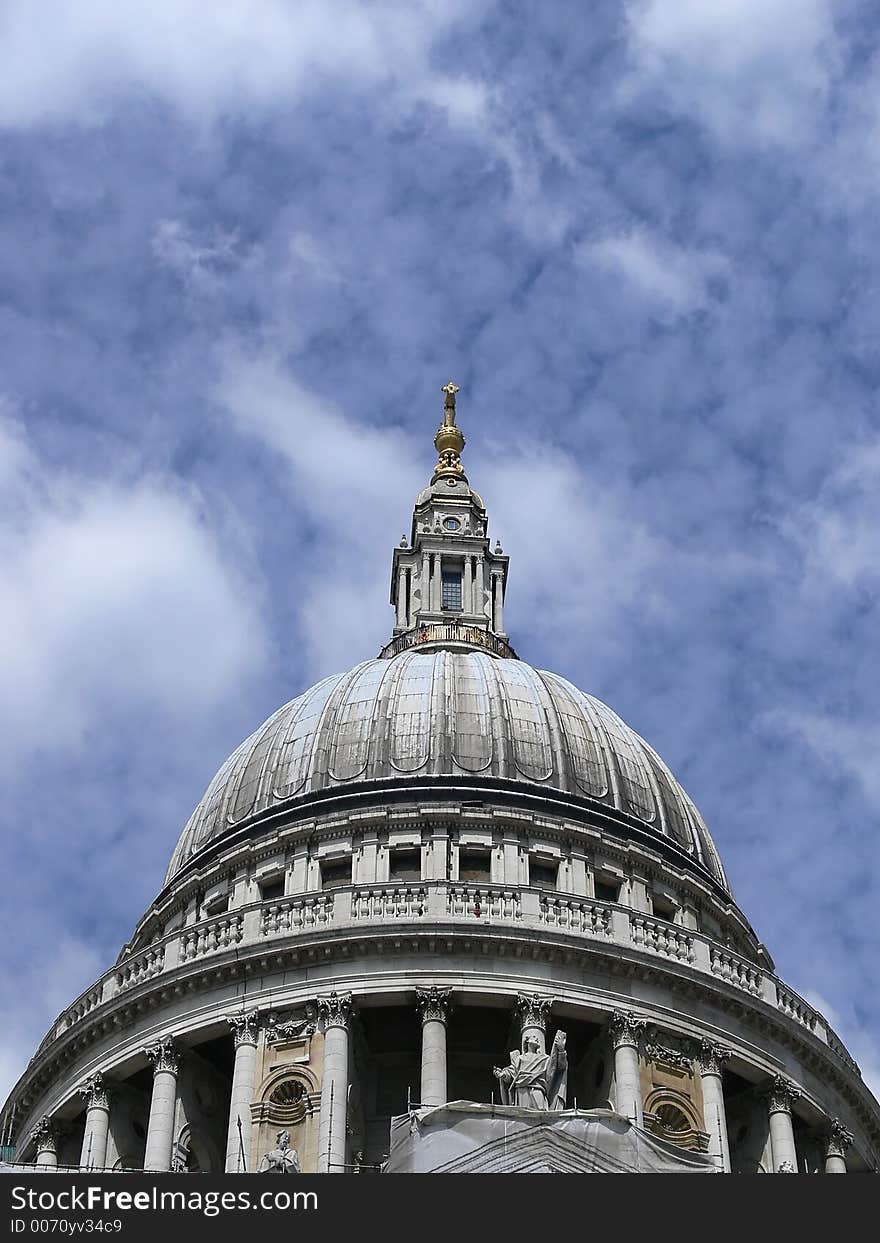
x: 245, y: 244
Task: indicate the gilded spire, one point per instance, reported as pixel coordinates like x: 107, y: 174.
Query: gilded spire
x: 449, y: 440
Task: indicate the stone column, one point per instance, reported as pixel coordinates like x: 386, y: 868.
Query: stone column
x: 160, y: 1128
x: 401, y: 596
x: 625, y: 1033
x: 435, y: 583
x: 425, y: 584
x: 433, y: 1005
x: 97, y: 1098
x: 835, y: 1143
x: 335, y: 1012
x: 780, y: 1097
x: 533, y: 1011
x: 711, y: 1059
x: 46, y: 1140
x: 498, y: 604
x: 467, y: 599
x: 479, y: 587
x: 245, y: 1030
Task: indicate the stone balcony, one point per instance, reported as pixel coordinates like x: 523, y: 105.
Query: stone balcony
x: 450, y: 906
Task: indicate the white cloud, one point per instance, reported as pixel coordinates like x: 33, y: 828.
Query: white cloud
x: 848, y: 748
x: 671, y: 275
x: 838, y: 532
x: 748, y: 69
x: 112, y: 598
x: 69, y: 64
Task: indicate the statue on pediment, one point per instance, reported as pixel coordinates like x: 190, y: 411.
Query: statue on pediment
x: 535, y: 1080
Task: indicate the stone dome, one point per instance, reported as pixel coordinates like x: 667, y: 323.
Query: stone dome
x: 448, y: 714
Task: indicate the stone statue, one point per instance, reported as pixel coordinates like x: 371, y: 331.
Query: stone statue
x: 535, y: 1080
x: 282, y: 1159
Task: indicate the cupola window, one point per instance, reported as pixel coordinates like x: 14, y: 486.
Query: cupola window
x: 451, y: 524
x: 451, y: 582
x: 335, y: 873
x: 606, y: 890
x: 405, y: 865
x: 475, y: 865
x: 543, y: 875
x: 271, y: 888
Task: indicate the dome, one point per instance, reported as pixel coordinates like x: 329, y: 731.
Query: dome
x: 448, y: 714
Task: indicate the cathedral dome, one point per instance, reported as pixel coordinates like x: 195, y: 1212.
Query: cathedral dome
x: 449, y: 714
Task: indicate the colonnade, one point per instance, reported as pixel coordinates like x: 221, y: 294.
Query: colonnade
x: 335, y: 1012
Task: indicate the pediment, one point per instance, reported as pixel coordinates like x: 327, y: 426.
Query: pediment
x: 544, y: 1152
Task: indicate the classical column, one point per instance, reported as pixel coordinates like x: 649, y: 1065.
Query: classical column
x: 160, y: 1128
x: 498, y: 599
x: 335, y: 1012
x: 533, y: 1011
x: 245, y: 1030
x: 425, y: 584
x: 401, y: 596
x: 467, y: 600
x: 780, y: 1096
x: 625, y: 1032
x: 479, y: 587
x: 436, y: 597
x: 711, y: 1059
x: 433, y: 1005
x: 97, y: 1098
x: 46, y: 1140
x: 835, y: 1143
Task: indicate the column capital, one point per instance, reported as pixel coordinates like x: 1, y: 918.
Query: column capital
x: 780, y: 1094
x: 45, y: 1135
x: 291, y: 1028
x: 836, y: 1139
x: 164, y: 1055
x: 335, y: 1010
x: 245, y: 1027
x: 625, y: 1028
x: 711, y: 1057
x: 533, y: 1009
x: 96, y: 1092
x: 433, y: 1004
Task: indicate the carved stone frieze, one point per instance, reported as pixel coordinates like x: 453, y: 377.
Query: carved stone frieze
x: 164, y: 1055
x: 433, y: 1004
x: 780, y: 1095
x: 335, y: 1009
x: 292, y: 1028
x: 625, y: 1029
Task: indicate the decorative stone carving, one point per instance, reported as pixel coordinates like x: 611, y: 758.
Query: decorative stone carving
x: 292, y: 1028
x: 95, y: 1092
x: 786, y: 1167
x: 45, y: 1135
x: 836, y: 1139
x: 282, y: 1159
x: 535, y: 1080
x: 335, y: 1010
x: 533, y: 1009
x: 164, y: 1055
x: 681, y: 1054
x: 781, y: 1095
x: 712, y: 1057
x: 245, y: 1027
x: 625, y: 1029
x: 433, y: 1004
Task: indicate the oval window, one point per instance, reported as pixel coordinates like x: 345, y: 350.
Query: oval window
x: 451, y: 524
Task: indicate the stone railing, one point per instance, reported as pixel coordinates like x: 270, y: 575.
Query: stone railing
x: 736, y: 970
x: 278, y: 919
x: 486, y: 902
x: 558, y: 910
x: 535, y: 912
x: 389, y: 902
x: 796, y: 1008
x: 662, y: 938
x: 439, y: 634
x: 220, y: 933
x: 140, y: 967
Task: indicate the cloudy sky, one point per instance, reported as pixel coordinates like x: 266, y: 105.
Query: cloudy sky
x: 245, y: 244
